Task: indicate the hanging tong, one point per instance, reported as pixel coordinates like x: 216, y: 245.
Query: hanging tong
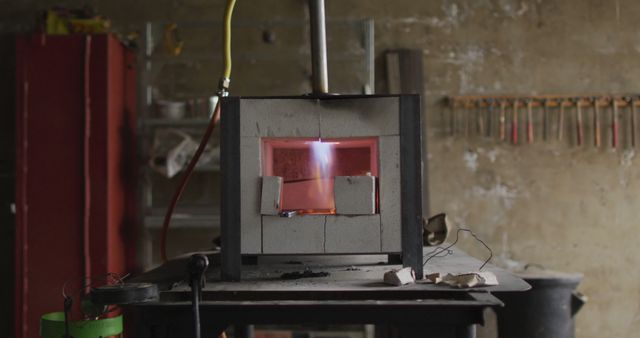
x: 632, y: 120
x: 561, y: 120
x: 579, y: 129
x: 529, y: 121
x: 545, y: 120
x: 614, y: 124
x: 452, y: 116
x: 489, y: 128
x: 514, y: 123
x: 596, y: 123
x: 479, y: 117
x: 502, y: 119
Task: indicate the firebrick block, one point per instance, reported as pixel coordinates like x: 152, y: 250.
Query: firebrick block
x: 271, y: 195
x: 355, y: 195
x: 293, y: 235
x: 352, y: 234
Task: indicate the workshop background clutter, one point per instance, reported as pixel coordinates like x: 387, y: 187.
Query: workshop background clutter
x: 553, y: 203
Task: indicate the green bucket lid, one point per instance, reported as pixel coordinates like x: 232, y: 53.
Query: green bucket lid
x: 52, y: 326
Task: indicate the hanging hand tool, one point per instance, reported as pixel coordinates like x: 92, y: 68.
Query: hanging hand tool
x: 514, y: 123
x: 489, y: 117
x: 561, y: 120
x: 452, y: 117
x: 466, y: 119
x: 503, y: 107
x: 614, y: 124
x: 596, y: 123
x: 632, y: 103
x: 529, y: 121
x: 579, y: 134
x: 197, y: 266
x: 625, y: 123
x: 479, y: 118
x: 545, y: 120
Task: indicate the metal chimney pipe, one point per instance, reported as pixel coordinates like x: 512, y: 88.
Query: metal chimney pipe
x: 318, y: 47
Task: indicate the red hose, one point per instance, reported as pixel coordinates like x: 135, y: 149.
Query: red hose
x: 185, y: 179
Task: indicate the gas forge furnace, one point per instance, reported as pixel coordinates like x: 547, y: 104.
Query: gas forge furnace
x: 320, y: 175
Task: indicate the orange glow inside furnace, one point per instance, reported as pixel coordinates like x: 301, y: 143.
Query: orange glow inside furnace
x: 308, y: 167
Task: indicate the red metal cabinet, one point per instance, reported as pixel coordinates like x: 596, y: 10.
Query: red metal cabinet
x: 76, y: 164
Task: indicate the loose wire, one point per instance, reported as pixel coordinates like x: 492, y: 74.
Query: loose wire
x: 224, y: 83
x: 439, y: 250
x: 87, y: 284
x: 110, y: 278
x: 447, y: 252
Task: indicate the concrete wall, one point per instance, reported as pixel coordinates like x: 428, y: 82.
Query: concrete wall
x: 553, y: 204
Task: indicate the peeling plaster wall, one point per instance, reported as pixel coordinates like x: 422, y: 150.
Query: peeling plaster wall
x: 553, y: 204
x: 566, y: 209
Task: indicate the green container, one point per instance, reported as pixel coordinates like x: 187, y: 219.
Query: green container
x: 52, y: 326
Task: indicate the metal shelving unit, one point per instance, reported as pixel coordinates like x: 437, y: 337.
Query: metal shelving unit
x: 163, y: 122
x: 183, y: 218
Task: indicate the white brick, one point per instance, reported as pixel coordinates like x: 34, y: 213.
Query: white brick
x: 250, y: 219
x: 389, y: 190
x: 355, y: 195
x: 295, y: 235
x: 353, y: 234
x: 399, y: 277
x: 359, y: 117
x: 271, y: 195
x: 279, y: 118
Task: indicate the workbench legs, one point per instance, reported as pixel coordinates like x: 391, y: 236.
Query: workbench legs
x: 420, y: 331
x: 182, y: 328
x: 446, y: 318
x: 176, y: 326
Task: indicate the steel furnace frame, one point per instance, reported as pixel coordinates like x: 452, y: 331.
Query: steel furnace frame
x: 411, y: 168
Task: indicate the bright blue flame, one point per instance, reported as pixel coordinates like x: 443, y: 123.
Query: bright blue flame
x: 322, y: 157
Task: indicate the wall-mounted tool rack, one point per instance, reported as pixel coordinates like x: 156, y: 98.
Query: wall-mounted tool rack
x: 598, y: 120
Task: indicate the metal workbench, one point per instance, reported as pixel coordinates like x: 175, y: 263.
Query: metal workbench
x: 353, y: 293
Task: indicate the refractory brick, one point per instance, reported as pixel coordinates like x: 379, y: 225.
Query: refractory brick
x: 355, y: 195
x: 352, y: 234
x: 294, y: 235
x: 271, y: 197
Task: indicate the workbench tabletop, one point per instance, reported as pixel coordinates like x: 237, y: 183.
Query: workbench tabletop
x: 350, y: 277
